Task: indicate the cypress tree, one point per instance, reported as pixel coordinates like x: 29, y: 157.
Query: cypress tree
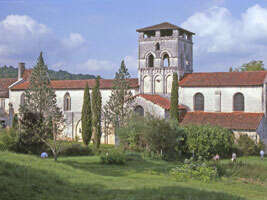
x: 174, y: 98
x: 86, y: 117
x: 96, y: 109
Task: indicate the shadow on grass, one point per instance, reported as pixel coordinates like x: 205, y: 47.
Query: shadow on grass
x: 120, y: 170
x: 26, y: 183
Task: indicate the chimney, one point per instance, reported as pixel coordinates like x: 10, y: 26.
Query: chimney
x: 21, y: 69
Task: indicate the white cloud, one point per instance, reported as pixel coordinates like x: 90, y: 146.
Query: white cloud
x: 22, y: 38
x: 219, y: 33
x: 73, y: 41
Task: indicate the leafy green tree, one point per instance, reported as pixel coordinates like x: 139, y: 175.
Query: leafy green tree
x: 254, y: 65
x: 174, y: 112
x: 207, y: 141
x: 86, y: 117
x: 39, y: 110
x: 96, y: 108
x: 118, y: 109
x: 157, y: 136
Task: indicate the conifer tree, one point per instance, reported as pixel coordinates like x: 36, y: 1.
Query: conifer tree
x: 174, y: 98
x: 39, y: 110
x: 86, y: 117
x: 96, y: 110
x: 119, y: 107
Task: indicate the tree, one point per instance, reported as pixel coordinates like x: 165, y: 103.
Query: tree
x: 207, y: 140
x: 86, y: 117
x: 254, y: 65
x: 96, y: 108
x: 40, y: 111
x: 119, y: 107
x: 174, y: 112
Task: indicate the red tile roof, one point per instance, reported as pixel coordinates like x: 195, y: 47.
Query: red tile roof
x: 77, y: 84
x: 233, y: 120
x: 159, y: 100
x: 4, y: 84
x: 223, y: 79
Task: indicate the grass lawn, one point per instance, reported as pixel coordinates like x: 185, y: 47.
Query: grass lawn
x: 25, y: 177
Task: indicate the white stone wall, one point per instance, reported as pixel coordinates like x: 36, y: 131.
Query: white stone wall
x: 73, y: 116
x: 253, y: 98
x: 149, y: 107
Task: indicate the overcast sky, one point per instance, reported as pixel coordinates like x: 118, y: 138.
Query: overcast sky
x: 93, y: 36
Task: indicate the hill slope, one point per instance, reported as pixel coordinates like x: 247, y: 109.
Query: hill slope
x: 12, y: 72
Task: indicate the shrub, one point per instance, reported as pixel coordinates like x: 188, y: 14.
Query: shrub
x: 155, y: 136
x: 9, y: 140
x: 113, y: 157
x: 197, y: 170
x: 75, y: 149
x: 247, y: 146
x: 206, y: 140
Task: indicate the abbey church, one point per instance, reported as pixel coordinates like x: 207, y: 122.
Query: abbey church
x: 233, y: 100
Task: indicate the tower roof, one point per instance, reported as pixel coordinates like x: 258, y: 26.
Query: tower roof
x: 164, y: 25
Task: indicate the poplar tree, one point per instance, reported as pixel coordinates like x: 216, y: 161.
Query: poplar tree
x: 96, y: 110
x: 86, y: 117
x: 174, y: 98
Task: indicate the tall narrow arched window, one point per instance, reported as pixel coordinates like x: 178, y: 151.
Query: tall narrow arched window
x: 239, y: 102
x: 199, y: 102
x: 150, y: 60
x: 67, y: 102
x: 166, y: 60
x: 157, y: 46
x: 22, y: 99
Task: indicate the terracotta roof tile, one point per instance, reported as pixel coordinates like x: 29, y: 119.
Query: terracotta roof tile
x: 4, y: 84
x: 77, y: 84
x: 223, y: 79
x: 233, y: 120
x: 159, y: 100
x: 164, y: 25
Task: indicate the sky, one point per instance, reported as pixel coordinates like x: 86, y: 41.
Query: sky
x: 94, y: 36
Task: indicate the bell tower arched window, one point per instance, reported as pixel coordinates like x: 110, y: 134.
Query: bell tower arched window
x: 67, y: 102
x: 157, y: 47
x: 150, y: 60
x: 166, y: 60
x: 239, y: 102
x: 199, y: 102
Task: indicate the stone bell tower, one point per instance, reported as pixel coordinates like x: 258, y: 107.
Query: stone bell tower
x: 163, y: 49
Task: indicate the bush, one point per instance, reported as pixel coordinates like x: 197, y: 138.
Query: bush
x: 103, y: 148
x: 197, y: 170
x: 75, y: 149
x: 113, y: 157
x: 155, y: 136
x: 207, y: 141
x: 246, y: 146
x: 9, y: 140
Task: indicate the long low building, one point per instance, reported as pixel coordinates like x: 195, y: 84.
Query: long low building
x: 234, y: 100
